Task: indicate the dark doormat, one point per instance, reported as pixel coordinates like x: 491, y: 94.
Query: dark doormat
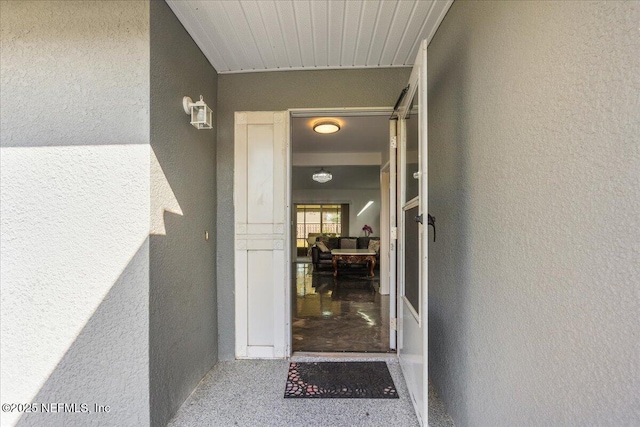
x: 365, y: 380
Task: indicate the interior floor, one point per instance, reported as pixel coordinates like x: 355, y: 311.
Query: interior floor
x: 339, y: 314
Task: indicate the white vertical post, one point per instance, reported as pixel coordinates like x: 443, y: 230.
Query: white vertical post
x: 424, y: 210
x: 393, y: 229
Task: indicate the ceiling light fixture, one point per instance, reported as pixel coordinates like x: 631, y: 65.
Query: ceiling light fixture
x: 322, y: 176
x: 326, y: 126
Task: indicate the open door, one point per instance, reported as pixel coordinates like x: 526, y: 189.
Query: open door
x: 412, y: 236
x: 261, y: 230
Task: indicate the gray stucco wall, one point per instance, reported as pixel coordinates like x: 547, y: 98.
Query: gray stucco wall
x: 182, y: 299
x: 280, y: 91
x: 534, y: 178
x: 74, y: 134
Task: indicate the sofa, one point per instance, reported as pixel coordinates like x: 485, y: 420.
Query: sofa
x: 324, y: 260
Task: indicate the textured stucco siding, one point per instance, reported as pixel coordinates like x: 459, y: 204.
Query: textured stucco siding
x: 74, y: 185
x: 277, y: 91
x: 534, y: 180
x: 183, y: 319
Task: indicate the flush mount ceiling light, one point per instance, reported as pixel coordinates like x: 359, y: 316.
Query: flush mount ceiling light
x: 322, y: 176
x: 326, y: 126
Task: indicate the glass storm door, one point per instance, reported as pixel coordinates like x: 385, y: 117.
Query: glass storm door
x: 412, y: 239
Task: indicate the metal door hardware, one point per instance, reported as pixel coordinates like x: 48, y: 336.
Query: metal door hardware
x: 431, y: 220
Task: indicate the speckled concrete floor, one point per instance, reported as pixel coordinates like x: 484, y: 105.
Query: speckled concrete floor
x: 250, y: 393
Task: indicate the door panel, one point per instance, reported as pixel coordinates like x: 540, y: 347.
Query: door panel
x: 260, y: 174
x: 411, y: 125
x: 260, y: 185
x: 260, y: 299
x: 412, y: 260
x: 412, y: 351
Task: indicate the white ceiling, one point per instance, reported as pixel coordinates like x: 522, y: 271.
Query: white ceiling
x: 276, y: 35
x: 357, y: 134
x: 353, y: 154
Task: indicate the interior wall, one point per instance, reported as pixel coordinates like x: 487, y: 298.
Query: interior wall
x: 273, y: 91
x: 356, y: 199
x: 182, y: 300
x: 74, y: 208
x: 534, y: 178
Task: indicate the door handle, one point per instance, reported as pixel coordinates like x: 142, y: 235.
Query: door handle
x: 431, y: 220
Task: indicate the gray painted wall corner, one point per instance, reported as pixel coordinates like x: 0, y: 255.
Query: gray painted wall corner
x: 534, y: 170
x: 183, y: 299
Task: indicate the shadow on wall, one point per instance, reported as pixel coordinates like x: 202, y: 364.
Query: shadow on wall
x: 155, y: 330
x: 109, y: 355
x: 448, y: 182
x: 183, y: 335
x: 182, y: 310
x: 111, y: 352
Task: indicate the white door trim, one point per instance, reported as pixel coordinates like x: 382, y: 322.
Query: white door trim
x: 341, y: 111
x: 312, y: 112
x: 393, y: 233
x: 385, y: 236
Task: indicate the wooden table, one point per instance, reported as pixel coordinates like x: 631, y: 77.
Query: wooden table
x: 353, y: 256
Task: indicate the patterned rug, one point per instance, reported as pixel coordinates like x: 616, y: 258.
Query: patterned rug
x: 365, y: 380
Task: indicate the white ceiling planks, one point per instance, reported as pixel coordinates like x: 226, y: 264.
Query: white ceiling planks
x: 399, y: 24
x: 268, y: 35
x: 261, y: 39
x: 305, y: 34
x: 335, y: 11
x: 319, y: 31
x: 366, y: 28
x: 351, y: 24
x: 386, y: 13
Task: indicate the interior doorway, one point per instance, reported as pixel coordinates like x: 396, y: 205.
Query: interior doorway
x: 336, y: 194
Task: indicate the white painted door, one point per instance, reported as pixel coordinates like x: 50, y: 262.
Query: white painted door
x: 413, y: 239
x: 261, y: 215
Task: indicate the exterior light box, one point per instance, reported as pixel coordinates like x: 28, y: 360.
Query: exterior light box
x: 201, y: 114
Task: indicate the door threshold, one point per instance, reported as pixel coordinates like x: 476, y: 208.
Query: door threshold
x: 305, y: 355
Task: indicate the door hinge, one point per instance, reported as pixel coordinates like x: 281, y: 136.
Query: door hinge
x: 394, y: 233
x: 394, y: 323
x: 394, y: 142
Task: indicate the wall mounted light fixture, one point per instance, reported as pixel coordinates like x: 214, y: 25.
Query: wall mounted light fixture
x: 326, y: 126
x: 201, y: 114
x: 322, y: 176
